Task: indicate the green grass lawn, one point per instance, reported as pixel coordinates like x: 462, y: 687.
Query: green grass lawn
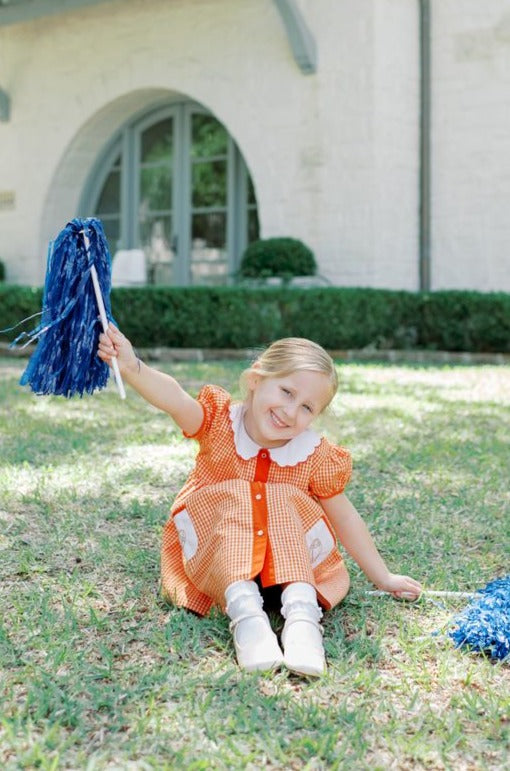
x: 98, y: 673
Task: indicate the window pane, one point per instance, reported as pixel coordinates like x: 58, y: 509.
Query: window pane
x: 209, y: 261
x: 210, y: 228
x: 253, y: 225
x: 209, y: 138
x: 117, y: 162
x: 157, y: 142
x: 209, y: 273
x: 109, y: 198
x: 111, y: 227
x: 155, y: 237
x: 209, y: 184
x: 156, y: 188
x: 251, y: 192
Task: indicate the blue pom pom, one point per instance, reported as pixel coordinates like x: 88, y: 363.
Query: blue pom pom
x: 65, y: 361
x: 484, y: 625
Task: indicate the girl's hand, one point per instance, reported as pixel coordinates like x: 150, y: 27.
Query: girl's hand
x: 113, y: 344
x: 401, y: 587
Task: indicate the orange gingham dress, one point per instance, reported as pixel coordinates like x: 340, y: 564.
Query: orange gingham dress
x: 248, y: 511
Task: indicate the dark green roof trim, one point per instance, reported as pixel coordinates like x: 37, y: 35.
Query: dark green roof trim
x: 300, y: 38
x: 16, y: 11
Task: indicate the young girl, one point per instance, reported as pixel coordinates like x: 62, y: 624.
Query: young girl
x: 264, y: 504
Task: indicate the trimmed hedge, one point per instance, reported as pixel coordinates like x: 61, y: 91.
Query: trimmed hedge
x: 285, y: 257
x: 16, y: 304
x: 337, y: 317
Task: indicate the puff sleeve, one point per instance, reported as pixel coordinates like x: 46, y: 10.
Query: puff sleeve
x: 332, y: 474
x: 213, y: 400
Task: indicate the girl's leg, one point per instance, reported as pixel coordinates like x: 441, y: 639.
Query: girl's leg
x: 255, y: 642
x: 302, y: 633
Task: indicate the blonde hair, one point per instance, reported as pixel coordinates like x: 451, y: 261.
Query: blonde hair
x: 293, y: 354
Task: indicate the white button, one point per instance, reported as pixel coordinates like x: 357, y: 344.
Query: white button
x: 258, y: 497
x: 260, y: 532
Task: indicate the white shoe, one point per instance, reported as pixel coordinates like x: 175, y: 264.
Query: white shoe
x: 302, y: 633
x: 302, y: 646
x: 255, y: 643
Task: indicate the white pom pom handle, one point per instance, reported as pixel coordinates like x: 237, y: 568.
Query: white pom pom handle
x: 102, y: 316
x: 425, y: 593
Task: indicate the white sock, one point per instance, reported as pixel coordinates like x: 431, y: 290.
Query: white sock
x: 302, y: 633
x: 244, y: 599
x: 301, y: 596
x: 255, y: 642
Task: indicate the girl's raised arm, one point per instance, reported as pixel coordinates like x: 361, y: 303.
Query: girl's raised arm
x: 158, y: 388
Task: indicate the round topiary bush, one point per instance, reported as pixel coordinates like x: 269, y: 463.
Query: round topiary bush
x: 283, y: 257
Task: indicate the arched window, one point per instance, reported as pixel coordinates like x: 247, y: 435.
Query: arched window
x: 175, y: 185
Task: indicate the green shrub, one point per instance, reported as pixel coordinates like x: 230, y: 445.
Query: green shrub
x: 205, y: 317
x: 336, y: 317
x: 18, y: 303
x: 465, y: 321
x: 2, y: 271
x: 352, y: 318
x: 284, y: 257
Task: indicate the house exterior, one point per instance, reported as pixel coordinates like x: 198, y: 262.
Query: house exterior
x: 376, y: 131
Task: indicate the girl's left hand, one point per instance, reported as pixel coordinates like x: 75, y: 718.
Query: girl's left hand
x: 402, y: 587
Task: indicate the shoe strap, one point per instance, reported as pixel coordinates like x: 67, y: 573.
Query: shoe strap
x: 293, y: 617
x: 233, y: 624
x: 299, y: 607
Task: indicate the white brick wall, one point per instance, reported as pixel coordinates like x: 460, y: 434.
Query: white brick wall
x: 334, y: 156
x: 396, y: 144
x: 471, y: 145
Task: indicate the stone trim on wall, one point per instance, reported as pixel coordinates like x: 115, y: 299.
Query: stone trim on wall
x: 393, y: 356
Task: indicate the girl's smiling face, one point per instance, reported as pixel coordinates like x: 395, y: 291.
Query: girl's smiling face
x: 280, y: 408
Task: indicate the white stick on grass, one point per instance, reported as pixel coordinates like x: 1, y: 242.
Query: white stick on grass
x: 102, y: 316
x: 425, y: 593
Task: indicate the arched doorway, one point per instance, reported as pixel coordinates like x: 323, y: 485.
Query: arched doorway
x: 174, y: 184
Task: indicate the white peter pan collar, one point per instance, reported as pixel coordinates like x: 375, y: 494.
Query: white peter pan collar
x: 295, y: 451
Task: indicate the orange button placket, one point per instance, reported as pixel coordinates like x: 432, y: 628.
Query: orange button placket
x: 262, y: 467
x: 259, y: 511
x: 262, y: 561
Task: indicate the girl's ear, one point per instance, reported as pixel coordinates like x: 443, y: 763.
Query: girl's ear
x: 252, y: 378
